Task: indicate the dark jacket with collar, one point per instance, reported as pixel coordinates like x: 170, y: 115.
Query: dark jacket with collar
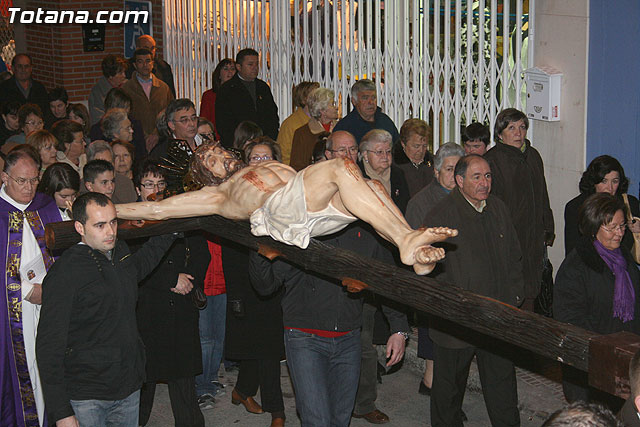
x: 234, y: 104
x: 88, y: 346
x: 418, y: 177
x: 629, y: 414
x: 312, y: 302
x: 358, y: 127
x: 167, y: 321
x: 583, y: 291
x: 483, y: 258
x: 38, y: 94
x: 518, y: 180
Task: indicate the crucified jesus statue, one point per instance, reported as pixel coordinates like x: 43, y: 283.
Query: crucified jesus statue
x: 293, y: 206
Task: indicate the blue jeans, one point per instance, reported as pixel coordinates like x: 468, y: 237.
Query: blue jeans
x: 99, y: 413
x: 212, y: 324
x: 325, y: 373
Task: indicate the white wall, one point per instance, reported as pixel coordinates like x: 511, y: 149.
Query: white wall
x: 562, y: 41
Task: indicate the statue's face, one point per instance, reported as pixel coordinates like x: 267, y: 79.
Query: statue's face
x: 221, y: 163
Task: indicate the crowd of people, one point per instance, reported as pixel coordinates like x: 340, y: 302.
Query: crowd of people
x: 90, y: 331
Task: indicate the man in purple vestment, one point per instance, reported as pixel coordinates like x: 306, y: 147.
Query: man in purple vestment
x: 23, y: 215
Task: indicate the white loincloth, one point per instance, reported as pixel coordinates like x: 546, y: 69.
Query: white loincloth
x: 285, y: 218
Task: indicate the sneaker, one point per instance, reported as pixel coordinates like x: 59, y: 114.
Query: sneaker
x: 206, y: 401
x: 220, y: 391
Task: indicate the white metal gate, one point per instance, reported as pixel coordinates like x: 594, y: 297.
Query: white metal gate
x: 449, y: 62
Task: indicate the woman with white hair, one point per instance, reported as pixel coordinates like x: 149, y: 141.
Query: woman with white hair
x: 444, y: 164
x: 324, y: 113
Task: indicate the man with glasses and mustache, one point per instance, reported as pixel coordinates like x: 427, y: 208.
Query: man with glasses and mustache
x: 181, y: 123
x: 149, y: 95
x: 23, y: 214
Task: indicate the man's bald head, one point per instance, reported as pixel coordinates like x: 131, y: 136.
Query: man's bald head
x: 145, y: 41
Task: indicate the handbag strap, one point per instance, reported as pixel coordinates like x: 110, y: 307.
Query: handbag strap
x: 625, y: 197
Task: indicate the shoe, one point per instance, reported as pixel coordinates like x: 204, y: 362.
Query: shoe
x: 206, y: 401
x: 424, y: 390
x: 374, y: 417
x: 249, y: 404
x: 220, y: 391
x: 277, y: 422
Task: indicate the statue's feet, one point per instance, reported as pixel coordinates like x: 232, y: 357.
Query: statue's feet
x: 416, y: 249
x: 426, y: 259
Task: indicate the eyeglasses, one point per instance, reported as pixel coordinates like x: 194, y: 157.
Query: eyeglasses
x: 186, y: 120
x: 260, y: 158
x: 151, y: 185
x: 144, y: 61
x: 209, y: 136
x: 619, y: 228
x: 344, y: 150
x: 34, y: 123
x: 381, y: 152
x: 22, y: 181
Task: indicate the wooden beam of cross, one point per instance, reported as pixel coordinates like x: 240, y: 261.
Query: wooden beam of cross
x: 605, y: 357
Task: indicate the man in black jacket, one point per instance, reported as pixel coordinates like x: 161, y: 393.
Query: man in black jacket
x: 90, y: 355
x: 22, y: 88
x: 484, y: 258
x: 246, y: 97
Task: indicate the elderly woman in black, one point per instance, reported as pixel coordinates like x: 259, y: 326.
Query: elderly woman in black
x: 412, y: 154
x: 603, y: 175
x: 598, y: 285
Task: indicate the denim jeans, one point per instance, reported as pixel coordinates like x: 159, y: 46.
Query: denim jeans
x: 324, y: 373
x: 212, y: 324
x: 106, y: 413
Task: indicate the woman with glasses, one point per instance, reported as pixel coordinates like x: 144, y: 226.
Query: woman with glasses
x: 30, y: 119
x: 412, y: 154
x: 598, y: 285
x: 262, y: 149
x: 206, y: 129
x: 254, y: 332
x: 603, y: 175
x: 324, y: 114
x: 167, y: 316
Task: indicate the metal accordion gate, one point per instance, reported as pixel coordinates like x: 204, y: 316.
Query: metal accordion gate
x: 449, y: 62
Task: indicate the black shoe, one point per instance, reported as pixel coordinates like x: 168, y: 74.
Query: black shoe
x: 424, y: 390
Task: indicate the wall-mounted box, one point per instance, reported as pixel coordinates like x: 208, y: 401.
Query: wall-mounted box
x: 543, y: 93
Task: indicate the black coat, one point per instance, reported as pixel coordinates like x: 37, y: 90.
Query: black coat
x: 234, y: 105
x: 88, y: 346
x: 254, y: 322
x: 168, y: 322
x: 571, y: 231
x: 9, y: 91
x: 518, y: 180
x: 483, y: 258
x: 583, y: 291
x: 417, y: 177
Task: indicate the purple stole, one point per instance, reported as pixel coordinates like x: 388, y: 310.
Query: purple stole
x: 17, y: 402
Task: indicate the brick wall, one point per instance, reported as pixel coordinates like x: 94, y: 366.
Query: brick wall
x: 57, y: 51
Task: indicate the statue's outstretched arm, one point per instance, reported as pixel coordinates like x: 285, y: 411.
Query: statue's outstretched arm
x: 194, y: 203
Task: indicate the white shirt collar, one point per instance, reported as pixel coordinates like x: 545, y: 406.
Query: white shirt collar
x: 12, y: 202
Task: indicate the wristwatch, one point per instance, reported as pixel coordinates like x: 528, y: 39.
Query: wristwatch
x: 404, y: 334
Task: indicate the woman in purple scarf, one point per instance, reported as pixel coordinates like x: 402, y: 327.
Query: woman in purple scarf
x: 598, y: 284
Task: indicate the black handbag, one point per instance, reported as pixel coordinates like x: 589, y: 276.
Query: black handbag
x: 543, y: 303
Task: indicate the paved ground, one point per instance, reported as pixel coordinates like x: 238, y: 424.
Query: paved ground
x: 539, y: 394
